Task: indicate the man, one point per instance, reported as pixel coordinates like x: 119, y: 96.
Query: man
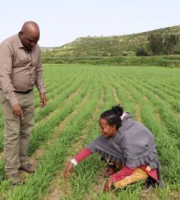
x: 20, y: 70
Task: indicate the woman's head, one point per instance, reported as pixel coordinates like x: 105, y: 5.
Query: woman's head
x: 110, y: 121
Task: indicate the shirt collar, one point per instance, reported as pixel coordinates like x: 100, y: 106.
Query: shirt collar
x: 19, y: 43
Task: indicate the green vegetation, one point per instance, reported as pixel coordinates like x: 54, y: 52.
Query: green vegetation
x: 77, y: 94
x: 166, y: 61
x: 154, y: 48
x: 110, y: 46
x: 159, y: 44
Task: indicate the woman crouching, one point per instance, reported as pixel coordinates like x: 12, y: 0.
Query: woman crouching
x: 126, y: 144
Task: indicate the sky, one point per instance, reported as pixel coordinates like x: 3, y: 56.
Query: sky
x: 63, y: 21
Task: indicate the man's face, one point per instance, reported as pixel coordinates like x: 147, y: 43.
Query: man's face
x: 29, y: 40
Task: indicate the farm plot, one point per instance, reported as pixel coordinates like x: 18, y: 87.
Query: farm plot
x: 77, y: 95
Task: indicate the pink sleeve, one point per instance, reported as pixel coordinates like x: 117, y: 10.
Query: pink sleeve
x: 124, y: 172
x: 82, y: 155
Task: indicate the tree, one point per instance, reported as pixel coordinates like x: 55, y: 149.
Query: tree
x: 156, y: 43
x: 159, y: 44
x: 169, y: 42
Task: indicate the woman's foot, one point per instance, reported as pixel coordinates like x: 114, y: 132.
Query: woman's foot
x: 149, y: 184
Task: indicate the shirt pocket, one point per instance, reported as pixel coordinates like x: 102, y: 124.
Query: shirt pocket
x: 21, y: 59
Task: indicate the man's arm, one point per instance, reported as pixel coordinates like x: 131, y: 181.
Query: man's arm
x: 5, y: 74
x: 39, y: 76
x: 39, y: 82
x: 5, y: 79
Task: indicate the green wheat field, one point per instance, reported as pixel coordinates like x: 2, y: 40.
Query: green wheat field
x: 76, y: 96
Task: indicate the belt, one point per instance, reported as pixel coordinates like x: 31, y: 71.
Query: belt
x: 24, y: 92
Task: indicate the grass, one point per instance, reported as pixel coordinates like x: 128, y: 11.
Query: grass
x: 151, y: 94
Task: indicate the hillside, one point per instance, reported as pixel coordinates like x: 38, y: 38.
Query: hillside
x: 107, y: 46
x: 46, y: 48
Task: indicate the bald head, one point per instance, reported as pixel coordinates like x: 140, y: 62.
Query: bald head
x: 29, y: 34
x: 31, y: 28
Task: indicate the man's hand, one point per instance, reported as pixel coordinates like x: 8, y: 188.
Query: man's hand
x: 17, y: 110
x: 69, y: 169
x: 43, y: 100
x: 107, y: 186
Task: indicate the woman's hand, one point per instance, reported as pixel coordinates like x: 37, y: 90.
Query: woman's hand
x: 107, y: 186
x: 69, y: 169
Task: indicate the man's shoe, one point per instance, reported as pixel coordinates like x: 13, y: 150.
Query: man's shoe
x: 14, y: 178
x: 27, y: 167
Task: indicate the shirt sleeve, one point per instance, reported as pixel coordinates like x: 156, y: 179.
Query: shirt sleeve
x: 39, y: 76
x: 124, y: 172
x: 6, y: 72
x: 82, y: 155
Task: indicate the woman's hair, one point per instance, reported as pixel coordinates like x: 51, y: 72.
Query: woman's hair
x: 113, y: 116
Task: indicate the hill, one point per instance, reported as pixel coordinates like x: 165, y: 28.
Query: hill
x: 123, y: 45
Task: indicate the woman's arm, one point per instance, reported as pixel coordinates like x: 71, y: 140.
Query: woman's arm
x: 77, y: 159
x: 124, y: 172
x: 82, y: 155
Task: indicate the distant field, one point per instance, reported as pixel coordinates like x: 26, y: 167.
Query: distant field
x: 165, y: 61
x: 77, y: 95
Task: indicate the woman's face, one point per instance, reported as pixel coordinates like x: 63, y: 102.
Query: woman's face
x: 106, y: 129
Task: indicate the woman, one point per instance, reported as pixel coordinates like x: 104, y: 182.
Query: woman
x: 124, y: 144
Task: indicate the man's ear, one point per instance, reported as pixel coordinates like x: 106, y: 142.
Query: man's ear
x: 21, y: 33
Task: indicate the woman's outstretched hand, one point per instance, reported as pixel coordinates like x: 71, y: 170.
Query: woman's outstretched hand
x: 69, y: 170
x: 107, y: 186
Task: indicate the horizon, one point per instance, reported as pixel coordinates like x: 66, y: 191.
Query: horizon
x: 98, y: 36
x: 62, y: 22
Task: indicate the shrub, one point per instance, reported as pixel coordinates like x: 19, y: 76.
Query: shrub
x: 141, y: 51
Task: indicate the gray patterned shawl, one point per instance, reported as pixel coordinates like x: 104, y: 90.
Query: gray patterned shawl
x: 133, y: 145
